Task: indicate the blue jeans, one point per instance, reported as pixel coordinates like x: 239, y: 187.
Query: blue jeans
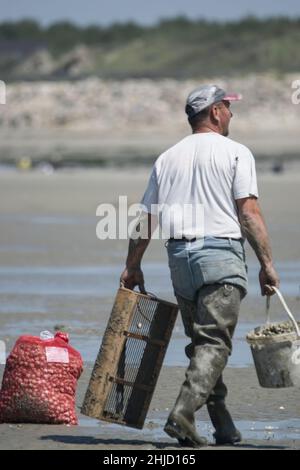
x: 204, y: 262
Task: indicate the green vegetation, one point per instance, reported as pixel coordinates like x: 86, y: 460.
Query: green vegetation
x: 178, y: 48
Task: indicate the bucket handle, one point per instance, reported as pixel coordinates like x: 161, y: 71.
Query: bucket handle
x: 268, y: 303
x: 295, y: 324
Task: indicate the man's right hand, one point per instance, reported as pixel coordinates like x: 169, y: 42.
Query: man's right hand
x: 268, y: 277
x: 132, y: 277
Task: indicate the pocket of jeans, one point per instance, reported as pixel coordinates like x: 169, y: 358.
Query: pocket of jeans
x: 219, y: 271
x: 175, y: 274
x: 181, y: 279
x: 239, y: 251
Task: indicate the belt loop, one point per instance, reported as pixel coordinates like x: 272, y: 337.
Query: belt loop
x: 230, y: 241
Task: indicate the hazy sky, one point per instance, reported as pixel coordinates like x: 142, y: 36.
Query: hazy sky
x: 146, y: 12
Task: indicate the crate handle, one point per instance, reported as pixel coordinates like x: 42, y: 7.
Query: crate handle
x: 149, y: 294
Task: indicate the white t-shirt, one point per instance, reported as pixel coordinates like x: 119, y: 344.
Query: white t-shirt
x: 207, y: 171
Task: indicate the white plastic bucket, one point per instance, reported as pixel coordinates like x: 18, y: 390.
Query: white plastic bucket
x: 277, y: 357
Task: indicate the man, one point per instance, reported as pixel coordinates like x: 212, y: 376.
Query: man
x: 207, y: 263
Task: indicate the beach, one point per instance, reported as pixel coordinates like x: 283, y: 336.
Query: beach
x: 55, y: 272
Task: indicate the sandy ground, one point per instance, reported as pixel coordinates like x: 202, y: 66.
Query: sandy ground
x: 53, y: 144
x: 73, y: 196
x: 246, y: 399
x: 79, y: 192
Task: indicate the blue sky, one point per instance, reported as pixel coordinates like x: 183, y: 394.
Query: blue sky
x: 147, y: 12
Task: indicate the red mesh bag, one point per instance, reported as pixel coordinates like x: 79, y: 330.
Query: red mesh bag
x: 39, y: 382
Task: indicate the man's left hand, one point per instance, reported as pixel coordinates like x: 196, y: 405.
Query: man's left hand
x: 132, y: 277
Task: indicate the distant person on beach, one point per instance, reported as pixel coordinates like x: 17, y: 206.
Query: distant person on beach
x: 207, y: 260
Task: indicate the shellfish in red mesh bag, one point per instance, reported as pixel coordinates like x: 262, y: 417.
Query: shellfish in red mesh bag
x: 40, y: 379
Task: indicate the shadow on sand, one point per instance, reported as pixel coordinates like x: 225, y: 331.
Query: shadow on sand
x: 92, y: 441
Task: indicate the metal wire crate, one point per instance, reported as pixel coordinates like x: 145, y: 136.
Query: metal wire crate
x: 130, y: 358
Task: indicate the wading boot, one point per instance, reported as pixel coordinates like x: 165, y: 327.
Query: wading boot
x: 226, y: 432
x: 205, y: 367
x: 209, y: 323
x: 183, y: 429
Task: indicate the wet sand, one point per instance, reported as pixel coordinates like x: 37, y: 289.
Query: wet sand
x: 77, y: 193
x: 48, y: 223
x: 268, y: 419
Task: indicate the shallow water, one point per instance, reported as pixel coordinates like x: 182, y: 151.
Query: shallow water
x: 88, y: 341
x: 241, y: 356
x: 258, y: 430
x: 84, y: 280
x: 38, y: 297
x: 35, y: 298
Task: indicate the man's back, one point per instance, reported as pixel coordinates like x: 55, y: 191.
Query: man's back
x: 208, y: 169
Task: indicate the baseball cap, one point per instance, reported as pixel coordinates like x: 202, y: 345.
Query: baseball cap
x: 206, y: 95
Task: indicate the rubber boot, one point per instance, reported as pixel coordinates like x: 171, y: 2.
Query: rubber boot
x: 226, y: 432
x: 210, y: 323
x: 182, y: 429
x: 205, y: 367
x: 181, y: 423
